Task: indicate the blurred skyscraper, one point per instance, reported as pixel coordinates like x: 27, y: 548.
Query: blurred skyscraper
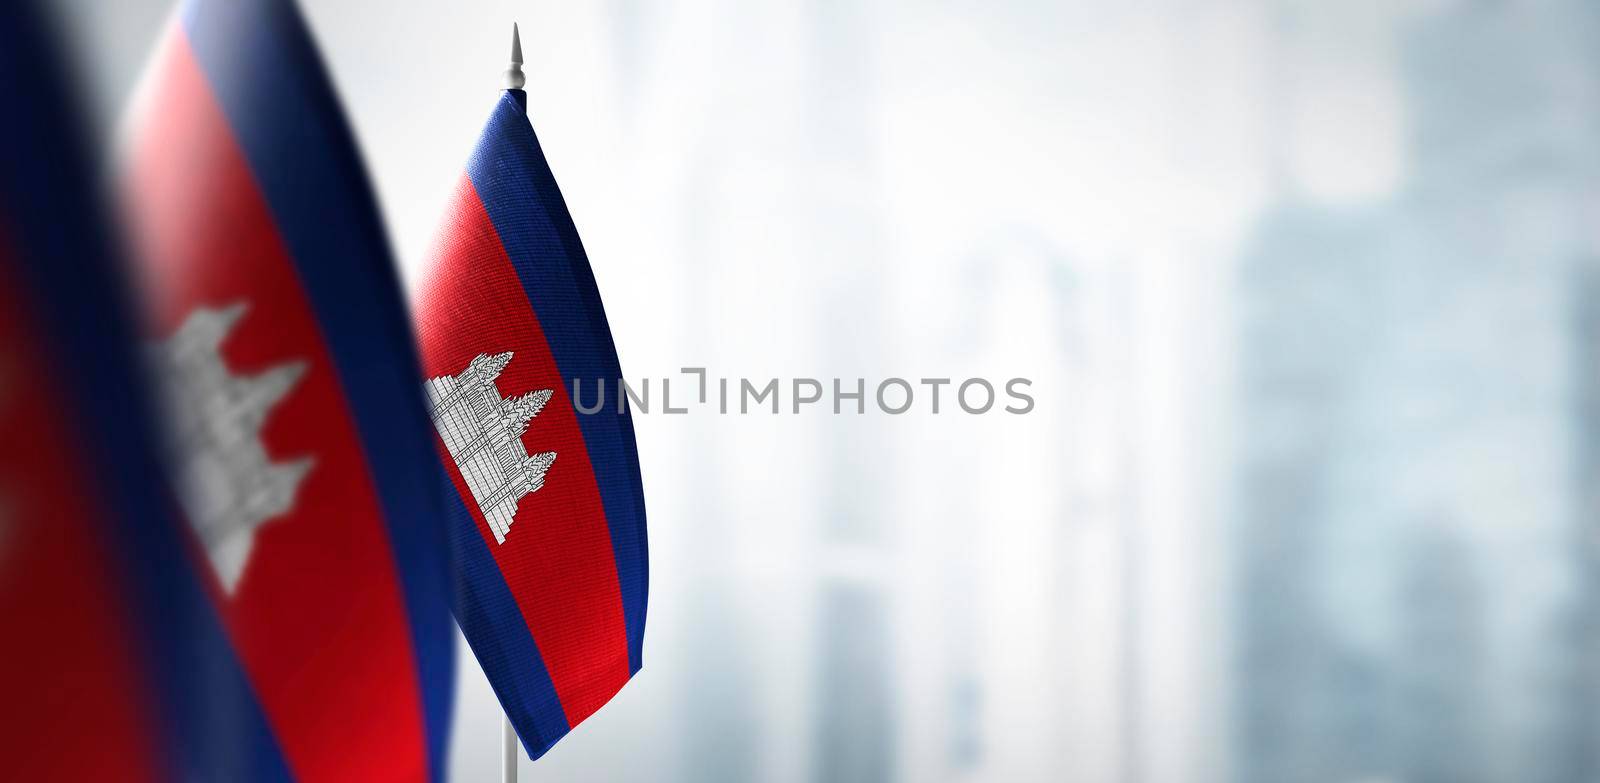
x: 1414, y: 454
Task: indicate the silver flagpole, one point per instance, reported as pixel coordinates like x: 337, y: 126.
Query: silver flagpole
x: 508, y: 733
x: 508, y: 750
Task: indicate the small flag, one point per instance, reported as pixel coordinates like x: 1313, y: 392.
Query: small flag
x: 546, y: 509
x: 296, y: 434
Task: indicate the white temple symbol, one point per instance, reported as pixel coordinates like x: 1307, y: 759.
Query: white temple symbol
x: 227, y: 483
x: 483, y: 432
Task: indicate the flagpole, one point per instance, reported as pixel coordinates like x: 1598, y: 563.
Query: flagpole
x: 514, y: 80
x: 508, y: 750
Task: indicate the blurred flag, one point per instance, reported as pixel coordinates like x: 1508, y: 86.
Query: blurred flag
x: 547, y: 511
x: 297, y: 436
x: 103, y: 633
x: 71, y: 666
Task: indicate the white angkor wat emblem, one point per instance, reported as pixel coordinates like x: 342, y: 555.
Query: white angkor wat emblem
x: 483, y: 433
x: 227, y: 484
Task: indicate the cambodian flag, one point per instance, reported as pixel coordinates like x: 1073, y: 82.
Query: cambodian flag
x: 298, y: 438
x: 545, y: 503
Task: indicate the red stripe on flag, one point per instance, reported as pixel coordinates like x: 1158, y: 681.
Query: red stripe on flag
x: 318, y: 617
x: 557, y: 558
x: 76, y: 705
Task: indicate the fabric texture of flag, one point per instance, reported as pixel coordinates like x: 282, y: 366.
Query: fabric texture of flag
x: 546, y: 506
x: 297, y: 437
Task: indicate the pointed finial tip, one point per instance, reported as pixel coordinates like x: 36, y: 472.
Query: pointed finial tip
x: 514, y: 76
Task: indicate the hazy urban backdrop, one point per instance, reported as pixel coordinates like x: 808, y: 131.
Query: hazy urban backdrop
x: 1309, y: 292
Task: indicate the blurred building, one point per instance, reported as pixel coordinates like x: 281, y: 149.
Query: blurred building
x: 1415, y: 433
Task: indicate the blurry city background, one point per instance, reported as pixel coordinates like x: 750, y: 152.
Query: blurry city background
x: 1310, y: 294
